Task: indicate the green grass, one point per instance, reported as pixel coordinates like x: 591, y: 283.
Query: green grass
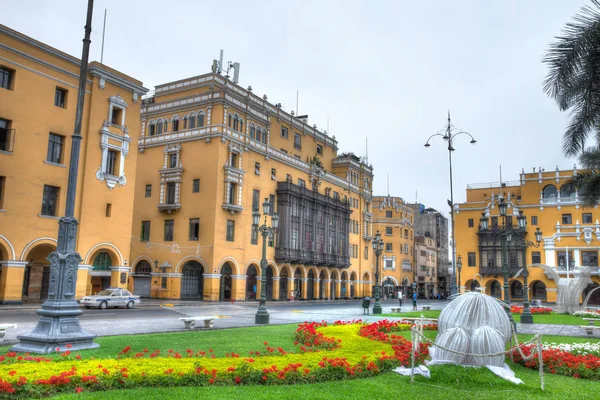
x: 554, y: 319
x: 414, y: 314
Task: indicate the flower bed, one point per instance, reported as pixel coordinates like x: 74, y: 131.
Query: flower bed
x: 534, y: 310
x: 582, y: 349
x: 561, y: 362
x: 587, y: 314
x: 324, y: 352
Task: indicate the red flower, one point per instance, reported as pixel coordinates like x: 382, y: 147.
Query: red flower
x: 238, y: 380
x: 78, y: 389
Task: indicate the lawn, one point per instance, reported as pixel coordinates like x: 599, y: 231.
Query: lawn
x: 414, y: 314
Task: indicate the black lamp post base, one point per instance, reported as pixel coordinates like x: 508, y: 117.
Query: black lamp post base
x: 527, y: 319
x: 57, y: 328
x: 377, y: 308
x: 261, y: 319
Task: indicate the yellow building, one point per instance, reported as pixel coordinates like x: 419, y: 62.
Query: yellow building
x: 395, y: 220
x: 210, y: 152
x: 571, y: 233
x: 38, y: 97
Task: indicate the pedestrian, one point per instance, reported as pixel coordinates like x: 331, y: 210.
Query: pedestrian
x: 414, y: 297
x: 400, y: 298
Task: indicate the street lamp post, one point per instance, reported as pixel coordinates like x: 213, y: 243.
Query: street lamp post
x: 377, y: 250
x: 459, y: 265
x: 59, y: 325
x: 527, y: 317
x: 262, y: 315
x: 449, y: 136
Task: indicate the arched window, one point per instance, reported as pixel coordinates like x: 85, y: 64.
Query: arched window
x: 192, y: 121
x: 102, y: 262
x: 175, y: 124
x: 159, y: 127
x: 252, y: 131
x: 229, y: 119
x: 264, y: 136
x: 236, y: 124
x: 200, y: 119
x: 258, y: 134
x: 549, y: 192
x: 151, y: 128
x: 185, y: 122
x: 166, y: 126
x: 241, y: 125
x: 566, y: 191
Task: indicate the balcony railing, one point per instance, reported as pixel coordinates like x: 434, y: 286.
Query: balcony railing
x: 169, y: 207
x: 311, y: 257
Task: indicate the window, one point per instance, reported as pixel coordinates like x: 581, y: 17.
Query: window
x: 288, y: 177
x: 172, y: 160
x: 236, y: 123
x: 163, y: 282
x: 271, y: 239
x: 566, y: 219
x: 50, y: 200
x: 388, y: 230
x: 472, y: 260
x: 388, y: 214
x: 589, y: 258
x: 406, y: 233
x: 159, y: 127
x: 255, y: 200
x: 234, y: 160
x: 171, y: 186
x: 169, y: 227
x: 165, y: 126
x: 256, y: 168
x: 232, y: 193
x: 145, y: 235
x: 152, y: 129
x: 297, y: 141
x: 175, y: 125
x: 6, y: 135
x: 284, y: 132
x: 111, y: 161
x: 192, y: 122
x: 254, y: 236
x: 536, y: 257
x: 116, y: 117
x: 6, y: 78
x: 108, y: 209
x: 405, y: 249
x: 200, y: 120
x: 273, y: 174
x: 55, y: 146
x: 194, y: 229
x: 301, y: 182
x: 471, y: 222
x: 319, y: 149
x: 388, y: 247
x: 494, y: 222
x: 102, y: 262
x: 2, y: 184
x: 196, y: 186
x: 587, y: 218
x: 230, y: 234
x: 366, y: 252
x: 534, y: 220
x: 60, y: 98
x: 185, y: 122
x: 148, y: 191
x: 273, y: 204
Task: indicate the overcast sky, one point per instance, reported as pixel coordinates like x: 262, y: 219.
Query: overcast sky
x: 389, y: 70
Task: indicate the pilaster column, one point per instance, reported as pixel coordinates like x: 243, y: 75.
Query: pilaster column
x: 275, y: 292
x: 304, y: 290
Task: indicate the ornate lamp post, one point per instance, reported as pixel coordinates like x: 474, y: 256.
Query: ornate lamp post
x: 527, y: 317
x: 377, y: 250
x: 59, y: 323
x: 262, y: 315
x: 459, y: 265
x: 449, y: 136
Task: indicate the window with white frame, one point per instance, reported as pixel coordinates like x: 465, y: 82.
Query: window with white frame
x: 115, y: 150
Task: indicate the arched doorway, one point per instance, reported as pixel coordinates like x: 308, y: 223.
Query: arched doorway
x: 269, y: 283
x: 538, y: 289
x: 365, y: 285
x: 251, y: 283
x: 406, y: 287
x: 516, y: 290
x: 192, y: 280
x: 343, y: 283
x: 322, y: 284
x: 594, y: 300
x: 298, y: 284
x: 389, y: 287
x: 333, y: 286
x: 310, y: 288
x: 101, y: 271
x: 142, y: 279
x: 226, y: 282
x: 284, y: 294
x: 496, y: 289
x: 36, y: 280
x: 474, y: 286
x: 353, y: 285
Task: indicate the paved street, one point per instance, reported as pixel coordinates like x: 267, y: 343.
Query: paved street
x: 151, y: 317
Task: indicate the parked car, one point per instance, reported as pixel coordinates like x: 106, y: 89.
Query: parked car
x: 111, y: 297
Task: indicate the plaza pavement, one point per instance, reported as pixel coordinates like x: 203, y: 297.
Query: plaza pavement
x: 241, y: 314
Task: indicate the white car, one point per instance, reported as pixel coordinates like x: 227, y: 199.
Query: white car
x: 111, y: 297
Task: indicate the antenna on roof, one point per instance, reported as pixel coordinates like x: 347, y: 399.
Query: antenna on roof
x: 103, y: 31
x: 220, y: 66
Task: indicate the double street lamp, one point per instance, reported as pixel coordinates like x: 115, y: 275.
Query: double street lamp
x: 506, y: 234
x: 377, y: 250
x: 262, y: 315
x: 449, y: 136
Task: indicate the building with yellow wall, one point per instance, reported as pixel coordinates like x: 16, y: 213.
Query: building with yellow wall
x: 210, y: 153
x: 571, y: 233
x: 395, y: 220
x: 38, y: 97
x: 426, y: 267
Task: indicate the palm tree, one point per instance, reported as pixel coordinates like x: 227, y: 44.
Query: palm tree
x: 574, y: 77
x: 588, y: 180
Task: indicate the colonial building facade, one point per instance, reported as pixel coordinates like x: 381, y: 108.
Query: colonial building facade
x: 395, y: 220
x: 38, y: 97
x: 210, y: 153
x: 571, y: 234
x: 426, y: 267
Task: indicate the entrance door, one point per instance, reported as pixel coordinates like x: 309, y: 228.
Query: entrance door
x: 141, y: 286
x: 226, y: 282
x: 192, y: 280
